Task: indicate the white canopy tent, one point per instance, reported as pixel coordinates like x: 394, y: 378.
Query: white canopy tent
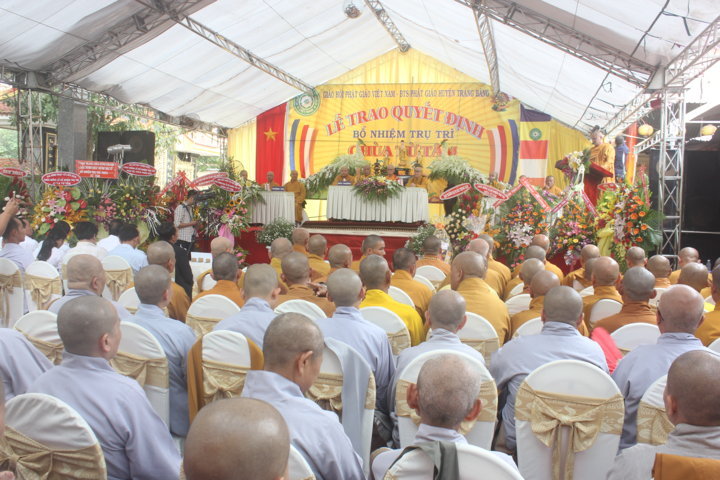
x: 579, y: 60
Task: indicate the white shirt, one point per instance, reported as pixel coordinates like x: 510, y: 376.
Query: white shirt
x: 56, y: 254
x: 109, y: 242
x: 85, y: 247
x: 136, y: 258
x: 29, y: 244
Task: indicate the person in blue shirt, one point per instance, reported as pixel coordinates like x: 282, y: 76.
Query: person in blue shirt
x: 621, y: 155
x: 129, y: 240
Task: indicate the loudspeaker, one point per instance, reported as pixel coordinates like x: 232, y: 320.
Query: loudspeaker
x: 141, y: 141
x: 701, y: 196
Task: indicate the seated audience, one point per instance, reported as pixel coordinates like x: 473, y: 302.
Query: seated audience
x: 375, y: 275
x: 686, y: 256
x: 695, y: 276
x: 260, y: 292
x: 218, y: 245
x: 13, y: 236
x: 532, y: 252
x: 492, y: 277
x: 296, y: 274
x: 542, y: 282
x: 85, y: 277
x: 86, y: 234
x: 588, y: 251
x: 29, y: 244
x: 154, y: 288
x: 339, y: 256
x: 167, y: 232
x: 217, y: 447
x: 300, y: 237
x: 635, y: 257
x: 225, y: 273
x: 432, y: 254
x: 637, y: 288
x: 494, y: 264
x: 558, y: 340
x: 466, y: 278
x: 404, y: 264
x: 680, y: 311
x: 709, y: 329
x: 659, y: 266
x: 317, y: 249
x: 162, y: 253
x: 528, y: 269
x: 20, y: 363
x: 112, y: 240
x: 293, y: 350
x: 542, y: 241
x: 278, y: 249
x: 605, y: 275
x: 53, y: 248
x: 135, y: 441
x: 691, y: 394
x: 372, y: 245
x: 128, y: 249
x: 445, y: 395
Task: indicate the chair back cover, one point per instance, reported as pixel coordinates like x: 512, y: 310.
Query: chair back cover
x: 480, y: 335
x: 425, y: 281
x: 42, y: 284
x: 12, y: 293
x: 303, y: 307
x: 473, y: 463
x: 206, y: 311
x: 46, y: 438
x: 653, y: 424
x: 207, y: 283
x: 119, y: 276
x: 578, y: 286
x: 531, y: 327
x: 518, y: 303
x: 225, y: 362
x: 400, y: 296
x: 658, y: 293
x: 434, y: 274
x: 715, y: 345
x: 632, y: 335
x: 141, y: 357
x: 568, y: 420
x: 40, y: 328
x: 603, y: 308
x: 394, y: 327
x: 516, y: 290
x: 130, y: 300
x: 478, y: 432
x: 298, y: 468
x: 585, y: 292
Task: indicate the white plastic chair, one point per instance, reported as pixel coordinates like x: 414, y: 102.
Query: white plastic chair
x: 479, y: 334
x: 481, y: 433
x: 298, y: 468
x: 531, y: 327
x: 578, y: 286
x: 653, y: 425
x: 473, y: 463
x: 140, y: 343
x: 16, y: 298
x: 400, y: 296
x: 516, y: 290
x: 207, y: 283
x: 44, y: 271
x: 113, y: 263
x: 587, y: 291
x: 206, y: 311
x: 227, y: 349
x: 630, y: 336
x: 518, y: 303
x: 425, y: 282
x: 577, y: 379
x: 434, y: 274
x: 603, y: 308
x: 393, y: 325
x: 658, y: 293
x: 715, y: 345
x: 130, y: 300
x: 40, y: 328
x: 303, y: 307
x: 59, y: 428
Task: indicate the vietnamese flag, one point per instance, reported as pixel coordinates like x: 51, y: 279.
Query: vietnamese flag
x: 270, y: 144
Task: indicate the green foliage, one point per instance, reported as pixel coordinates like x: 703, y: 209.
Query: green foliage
x: 279, y: 227
x: 318, y: 183
x: 455, y: 170
x: 378, y: 189
x: 8, y: 143
x: 415, y: 243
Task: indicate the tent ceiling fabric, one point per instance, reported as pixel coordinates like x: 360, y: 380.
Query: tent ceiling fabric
x: 181, y: 73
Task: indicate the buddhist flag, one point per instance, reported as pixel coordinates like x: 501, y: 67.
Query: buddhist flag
x: 504, y: 145
x: 534, y: 132
x: 270, y: 143
x: 301, y: 145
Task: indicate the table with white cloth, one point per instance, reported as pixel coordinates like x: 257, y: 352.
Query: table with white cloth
x: 409, y: 207
x: 277, y: 205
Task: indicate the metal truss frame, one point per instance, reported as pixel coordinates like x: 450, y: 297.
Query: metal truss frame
x: 487, y: 38
x: 30, y: 126
x: 379, y: 11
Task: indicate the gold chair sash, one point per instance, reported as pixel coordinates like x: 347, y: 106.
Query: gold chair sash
x: 485, y: 347
x: 487, y: 396
x: 222, y: 380
x: 200, y: 325
x: 118, y: 281
x: 42, y: 289
x: 53, y: 351
x: 327, y: 392
x: 653, y: 424
x: 31, y: 460
x: 7, y: 285
x: 399, y: 341
x: 147, y: 371
x: 586, y: 417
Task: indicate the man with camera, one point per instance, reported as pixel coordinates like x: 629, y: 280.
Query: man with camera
x: 185, y: 223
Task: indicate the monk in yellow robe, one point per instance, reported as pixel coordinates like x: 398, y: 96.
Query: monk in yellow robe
x: 270, y: 184
x: 602, y: 154
x: 418, y: 179
x: 344, y: 176
x: 550, y: 187
x: 298, y: 188
x: 365, y: 173
x: 390, y: 173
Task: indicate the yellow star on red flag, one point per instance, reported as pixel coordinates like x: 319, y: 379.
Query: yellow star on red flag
x: 269, y: 134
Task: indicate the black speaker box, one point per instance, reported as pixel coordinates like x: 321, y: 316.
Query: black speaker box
x: 141, y: 141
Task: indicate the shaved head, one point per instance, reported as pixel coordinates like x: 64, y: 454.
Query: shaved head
x: 432, y: 245
x: 638, y: 284
x: 151, y: 283
x: 447, y: 386
x: 688, y: 255
x: 340, y: 256
x: 535, y: 251
x: 300, y: 236
x: 225, y: 267
x: 296, y: 268
x: 317, y: 245
x: 467, y: 265
x: 490, y: 241
x: 160, y: 253
x: 659, y: 266
x: 542, y: 283
x: 404, y: 259
x: 589, y: 268
x: 81, y: 269
x: 83, y: 321
x: 220, y: 245
x: 259, y: 281
x: 694, y: 275
x: 479, y: 246
x: 635, y: 257
x: 693, y: 389
x: 447, y: 310
x: 344, y: 287
x: 373, y: 244
x: 589, y: 251
x: 541, y: 241
x: 530, y: 268
x: 680, y: 310
x: 287, y: 336
x: 374, y: 272
x: 280, y: 247
x: 564, y: 305
x: 605, y: 271
x: 217, y: 446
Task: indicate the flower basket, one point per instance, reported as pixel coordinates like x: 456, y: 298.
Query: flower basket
x: 378, y: 189
x: 279, y: 227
